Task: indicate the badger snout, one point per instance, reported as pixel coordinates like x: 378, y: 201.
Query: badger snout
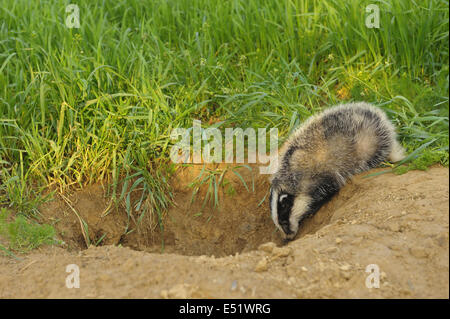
x: 286, y: 229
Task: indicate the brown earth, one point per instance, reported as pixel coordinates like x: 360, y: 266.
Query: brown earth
x: 399, y: 223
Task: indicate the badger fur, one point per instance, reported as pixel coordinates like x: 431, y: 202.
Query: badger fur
x: 322, y: 154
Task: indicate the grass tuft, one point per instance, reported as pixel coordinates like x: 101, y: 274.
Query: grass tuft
x: 23, y: 235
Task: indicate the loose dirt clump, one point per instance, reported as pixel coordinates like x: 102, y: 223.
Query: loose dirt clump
x: 394, y: 225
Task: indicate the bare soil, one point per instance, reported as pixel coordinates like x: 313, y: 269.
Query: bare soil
x: 399, y: 223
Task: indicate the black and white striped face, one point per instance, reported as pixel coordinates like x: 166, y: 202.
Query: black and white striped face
x: 289, y: 210
x: 286, y: 211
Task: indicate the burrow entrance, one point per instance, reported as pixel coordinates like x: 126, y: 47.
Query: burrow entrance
x: 234, y: 219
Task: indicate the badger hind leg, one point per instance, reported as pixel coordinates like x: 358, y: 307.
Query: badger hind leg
x: 397, y: 152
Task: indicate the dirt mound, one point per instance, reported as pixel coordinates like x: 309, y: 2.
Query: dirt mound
x: 397, y: 223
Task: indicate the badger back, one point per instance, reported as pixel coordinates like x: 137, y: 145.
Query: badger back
x: 343, y: 140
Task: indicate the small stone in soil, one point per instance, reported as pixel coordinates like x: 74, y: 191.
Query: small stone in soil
x: 261, y: 265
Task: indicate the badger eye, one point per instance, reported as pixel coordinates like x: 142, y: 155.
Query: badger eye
x: 285, y: 201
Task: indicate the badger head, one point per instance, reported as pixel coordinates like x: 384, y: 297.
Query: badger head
x: 287, y: 206
x: 294, y: 196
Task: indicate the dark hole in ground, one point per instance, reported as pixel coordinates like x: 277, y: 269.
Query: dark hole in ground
x: 240, y: 222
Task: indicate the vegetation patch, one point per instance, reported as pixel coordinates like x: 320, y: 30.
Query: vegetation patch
x: 23, y: 234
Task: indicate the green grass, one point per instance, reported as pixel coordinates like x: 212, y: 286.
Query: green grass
x: 98, y: 103
x: 23, y: 235
x: 215, y: 180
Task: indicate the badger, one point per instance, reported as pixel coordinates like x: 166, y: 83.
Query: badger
x: 322, y: 154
